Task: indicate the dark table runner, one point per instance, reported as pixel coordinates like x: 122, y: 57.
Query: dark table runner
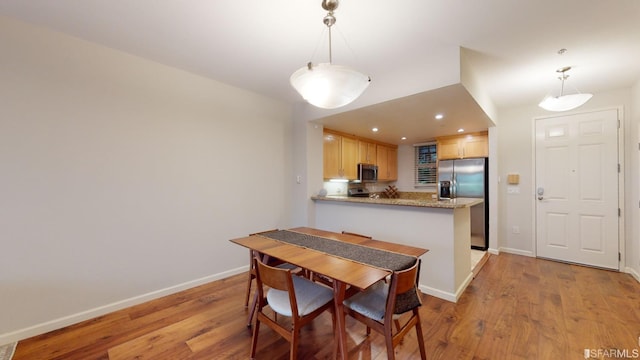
x: 363, y: 254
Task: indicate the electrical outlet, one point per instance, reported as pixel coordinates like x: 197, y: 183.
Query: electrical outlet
x: 515, y: 229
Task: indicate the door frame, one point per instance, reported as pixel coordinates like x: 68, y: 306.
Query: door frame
x: 621, y: 176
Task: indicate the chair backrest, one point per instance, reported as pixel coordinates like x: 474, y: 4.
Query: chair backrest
x: 253, y: 253
x: 275, y: 278
x: 403, y: 290
x: 263, y: 232
x: 356, y: 234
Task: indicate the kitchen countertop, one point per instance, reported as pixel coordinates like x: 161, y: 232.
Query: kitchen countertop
x: 444, y: 204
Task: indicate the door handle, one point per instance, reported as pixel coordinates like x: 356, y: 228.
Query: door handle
x: 454, y: 189
x: 540, y: 197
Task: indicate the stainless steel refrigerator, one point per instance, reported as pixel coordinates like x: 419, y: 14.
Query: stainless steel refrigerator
x: 468, y: 178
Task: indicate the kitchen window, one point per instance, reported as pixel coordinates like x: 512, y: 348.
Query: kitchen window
x: 426, y: 164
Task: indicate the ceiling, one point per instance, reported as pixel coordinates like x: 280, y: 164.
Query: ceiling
x: 404, y: 45
x: 416, y: 116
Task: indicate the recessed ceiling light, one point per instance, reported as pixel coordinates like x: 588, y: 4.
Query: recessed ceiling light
x: 439, y: 116
x: 461, y: 130
x: 403, y: 138
x: 374, y: 129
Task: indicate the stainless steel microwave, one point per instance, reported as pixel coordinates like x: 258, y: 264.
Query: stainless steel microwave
x: 367, y: 173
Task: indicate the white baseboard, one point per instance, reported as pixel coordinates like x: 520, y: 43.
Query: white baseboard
x: 437, y: 293
x: 517, y: 252
x: 493, y: 251
x: 463, y: 286
x: 447, y: 295
x: 59, y: 323
x: 633, y: 273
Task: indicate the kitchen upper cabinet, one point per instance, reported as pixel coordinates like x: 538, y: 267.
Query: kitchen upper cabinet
x: 448, y: 148
x: 350, y: 158
x: 463, y: 146
x: 387, y: 161
x: 366, y: 152
x: 340, y: 157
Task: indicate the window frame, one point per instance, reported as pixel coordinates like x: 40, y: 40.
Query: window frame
x: 428, y: 165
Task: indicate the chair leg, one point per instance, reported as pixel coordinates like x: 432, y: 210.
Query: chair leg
x: 251, y: 277
x: 293, y: 353
x: 423, y: 352
x: 253, y: 310
x: 246, y: 297
x: 388, y: 338
x: 254, y: 340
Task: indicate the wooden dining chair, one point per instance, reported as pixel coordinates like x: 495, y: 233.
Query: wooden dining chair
x: 252, y: 275
x: 380, y: 307
x: 293, y: 296
x: 356, y: 234
x: 252, y: 271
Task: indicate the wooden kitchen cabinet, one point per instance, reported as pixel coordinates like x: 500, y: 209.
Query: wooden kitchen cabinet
x: 448, y: 148
x: 463, y: 146
x: 387, y: 161
x: 340, y: 157
x: 366, y: 152
x: 350, y: 158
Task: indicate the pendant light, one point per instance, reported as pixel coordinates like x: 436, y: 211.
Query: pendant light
x: 326, y: 85
x: 564, y: 102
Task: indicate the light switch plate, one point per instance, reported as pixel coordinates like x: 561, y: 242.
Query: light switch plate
x: 513, y: 190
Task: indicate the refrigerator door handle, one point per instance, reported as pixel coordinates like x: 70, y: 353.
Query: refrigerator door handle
x: 454, y: 182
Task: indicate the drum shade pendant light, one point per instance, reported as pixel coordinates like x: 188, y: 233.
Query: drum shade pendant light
x: 564, y: 102
x: 326, y: 85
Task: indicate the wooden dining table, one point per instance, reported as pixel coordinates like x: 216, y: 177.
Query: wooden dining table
x: 349, y: 260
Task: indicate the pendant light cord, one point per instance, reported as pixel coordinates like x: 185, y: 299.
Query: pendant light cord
x: 329, y: 20
x: 330, y: 52
x: 563, y: 77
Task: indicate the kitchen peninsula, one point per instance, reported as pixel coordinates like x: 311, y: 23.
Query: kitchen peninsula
x: 442, y: 226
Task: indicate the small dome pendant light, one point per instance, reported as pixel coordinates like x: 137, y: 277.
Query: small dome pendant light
x: 326, y: 85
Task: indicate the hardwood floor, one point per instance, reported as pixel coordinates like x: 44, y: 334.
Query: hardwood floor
x: 516, y: 308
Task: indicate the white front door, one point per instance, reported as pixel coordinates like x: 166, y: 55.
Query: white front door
x: 577, y: 188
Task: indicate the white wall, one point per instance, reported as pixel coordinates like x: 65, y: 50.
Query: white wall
x: 515, y: 155
x: 123, y: 179
x: 469, y: 79
x: 308, y: 142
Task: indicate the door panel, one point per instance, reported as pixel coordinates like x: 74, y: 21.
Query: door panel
x: 557, y: 234
x: 591, y: 179
x: 557, y: 187
x: 577, y: 188
x: 592, y: 233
